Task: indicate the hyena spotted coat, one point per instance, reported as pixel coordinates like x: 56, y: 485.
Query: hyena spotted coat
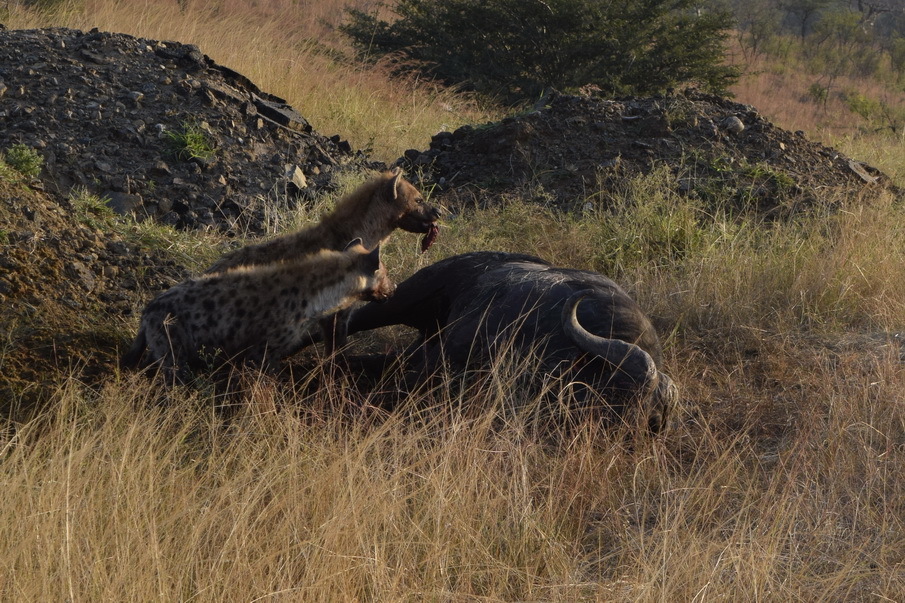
x: 371, y: 212
x: 254, y: 313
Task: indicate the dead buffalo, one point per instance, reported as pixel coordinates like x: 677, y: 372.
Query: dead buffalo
x: 583, y: 327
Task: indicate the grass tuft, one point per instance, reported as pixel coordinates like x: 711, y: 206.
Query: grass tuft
x: 24, y: 160
x: 190, y: 142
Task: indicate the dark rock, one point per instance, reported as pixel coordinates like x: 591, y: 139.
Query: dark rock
x: 83, y: 275
x: 123, y: 204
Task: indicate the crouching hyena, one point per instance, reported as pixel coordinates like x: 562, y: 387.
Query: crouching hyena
x: 371, y: 212
x: 257, y: 313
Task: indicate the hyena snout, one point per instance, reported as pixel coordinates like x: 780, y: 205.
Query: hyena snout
x: 382, y: 287
x: 419, y: 219
x: 414, y: 215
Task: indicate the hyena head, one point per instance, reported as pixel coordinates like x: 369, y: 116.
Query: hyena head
x: 409, y: 211
x: 376, y: 284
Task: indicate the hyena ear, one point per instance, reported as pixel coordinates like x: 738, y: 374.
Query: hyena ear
x: 394, y: 183
x: 352, y: 244
x: 372, y: 261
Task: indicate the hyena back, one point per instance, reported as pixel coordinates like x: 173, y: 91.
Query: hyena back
x: 257, y: 314
x: 371, y: 212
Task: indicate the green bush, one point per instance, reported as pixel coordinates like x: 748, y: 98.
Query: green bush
x: 859, y: 104
x: 513, y: 49
x: 24, y: 160
x: 819, y: 93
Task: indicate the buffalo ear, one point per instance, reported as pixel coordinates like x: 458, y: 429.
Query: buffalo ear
x: 394, y: 183
x: 352, y: 243
x: 372, y: 261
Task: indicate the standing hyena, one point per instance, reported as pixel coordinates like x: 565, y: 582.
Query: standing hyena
x: 254, y: 313
x: 371, y: 212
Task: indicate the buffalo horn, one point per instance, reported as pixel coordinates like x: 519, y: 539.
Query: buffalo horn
x: 626, y: 357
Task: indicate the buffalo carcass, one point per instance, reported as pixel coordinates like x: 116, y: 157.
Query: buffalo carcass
x: 581, y: 325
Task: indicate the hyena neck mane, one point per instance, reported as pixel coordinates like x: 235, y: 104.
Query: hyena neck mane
x: 358, y: 216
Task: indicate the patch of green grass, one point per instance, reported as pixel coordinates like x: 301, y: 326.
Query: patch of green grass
x: 24, y: 160
x: 8, y: 174
x: 194, y: 250
x: 732, y: 185
x: 650, y: 224
x: 91, y: 209
x: 190, y: 142
x: 761, y: 172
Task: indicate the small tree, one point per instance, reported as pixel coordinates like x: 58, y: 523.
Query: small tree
x: 513, y: 49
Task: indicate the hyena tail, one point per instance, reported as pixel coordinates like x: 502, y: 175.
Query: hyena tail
x: 134, y: 355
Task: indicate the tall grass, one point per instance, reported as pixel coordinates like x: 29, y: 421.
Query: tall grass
x: 109, y: 496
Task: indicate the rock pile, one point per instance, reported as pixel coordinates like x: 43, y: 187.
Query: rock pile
x: 106, y: 111
x: 573, y: 149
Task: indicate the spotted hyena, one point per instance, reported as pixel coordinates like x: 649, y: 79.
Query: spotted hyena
x: 254, y: 313
x: 371, y: 212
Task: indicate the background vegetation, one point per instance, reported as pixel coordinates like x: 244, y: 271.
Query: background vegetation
x: 780, y: 478
x: 513, y: 50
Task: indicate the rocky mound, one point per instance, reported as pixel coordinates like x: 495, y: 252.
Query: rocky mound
x: 106, y: 111
x: 573, y: 149
x: 67, y: 282
x: 102, y: 110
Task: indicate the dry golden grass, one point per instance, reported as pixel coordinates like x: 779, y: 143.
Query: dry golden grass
x: 777, y: 481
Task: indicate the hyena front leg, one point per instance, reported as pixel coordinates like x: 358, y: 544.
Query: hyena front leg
x: 335, y: 330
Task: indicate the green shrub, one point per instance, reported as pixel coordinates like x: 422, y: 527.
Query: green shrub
x: 513, y: 49
x: 819, y: 93
x: 24, y: 160
x: 859, y: 104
